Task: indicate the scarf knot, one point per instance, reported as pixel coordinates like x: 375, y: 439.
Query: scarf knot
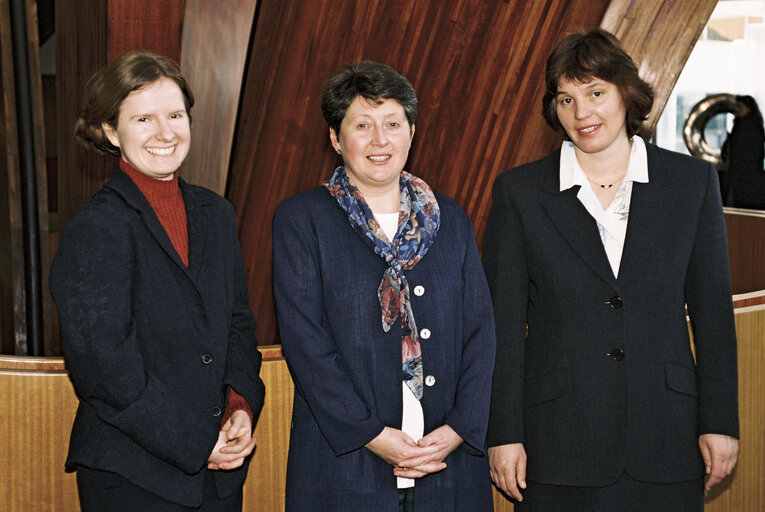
x: 419, y: 218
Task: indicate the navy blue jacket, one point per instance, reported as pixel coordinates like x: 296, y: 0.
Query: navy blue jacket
x: 347, y: 371
x: 151, y: 345
x: 605, y: 380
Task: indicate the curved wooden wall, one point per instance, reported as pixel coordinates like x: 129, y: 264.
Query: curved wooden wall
x: 214, y: 53
x: 477, y: 67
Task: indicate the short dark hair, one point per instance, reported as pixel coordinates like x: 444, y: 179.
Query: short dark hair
x: 751, y: 104
x: 596, y: 54
x: 371, y: 80
x: 110, y: 85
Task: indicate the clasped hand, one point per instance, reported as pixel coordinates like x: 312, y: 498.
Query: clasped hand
x: 235, y: 443
x: 412, y: 459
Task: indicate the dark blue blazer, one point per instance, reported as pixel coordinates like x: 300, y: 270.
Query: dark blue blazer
x: 347, y: 371
x: 151, y: 345
x: 605, y: 380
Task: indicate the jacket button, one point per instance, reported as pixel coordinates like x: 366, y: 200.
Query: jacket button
x: 207, y: 358
x: 217, y: 412
x: 419, y: 290
x: 617, y: 354
x: 615, y: 302
x: 425, y: 334
x: 430, y: 380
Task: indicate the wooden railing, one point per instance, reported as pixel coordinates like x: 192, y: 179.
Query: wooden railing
x: 37, y: 406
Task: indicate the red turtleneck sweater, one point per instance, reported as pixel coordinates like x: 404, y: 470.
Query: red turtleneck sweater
x: 166, y: 199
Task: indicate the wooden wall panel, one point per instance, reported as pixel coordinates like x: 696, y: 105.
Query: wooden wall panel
x: 147, y: 25
x: 36, y: 413
x: 649, y: 33
x: 477, y: 67
x: 216, y: 78
x: 746, y: 249
x: 81, y: 48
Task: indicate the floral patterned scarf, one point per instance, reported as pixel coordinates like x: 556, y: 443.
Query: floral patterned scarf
x: 418, y: 220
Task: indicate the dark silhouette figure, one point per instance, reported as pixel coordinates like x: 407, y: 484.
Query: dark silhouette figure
x: 746, y: 151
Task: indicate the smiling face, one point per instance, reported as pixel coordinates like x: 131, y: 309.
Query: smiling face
x: 153, y: 131
x: 593, y: 115
x: 374, y: 140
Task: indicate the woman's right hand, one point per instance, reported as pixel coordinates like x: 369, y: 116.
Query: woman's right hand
x: 393, y: 446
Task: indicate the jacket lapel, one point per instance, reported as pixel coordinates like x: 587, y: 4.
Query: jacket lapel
x: 648, y: 215
x: 575, y: 224
x: 124, y: 186
x: 196, y: 223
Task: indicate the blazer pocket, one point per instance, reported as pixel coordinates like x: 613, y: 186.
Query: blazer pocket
x: 544, y: 388
x: 681, y: 379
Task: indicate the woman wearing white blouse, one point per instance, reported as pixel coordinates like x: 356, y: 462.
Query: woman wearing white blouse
x: 592, y: 255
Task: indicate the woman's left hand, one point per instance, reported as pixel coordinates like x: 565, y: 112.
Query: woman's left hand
x: 444, y: 435
x: 720, y: 453
x: 235, y: 443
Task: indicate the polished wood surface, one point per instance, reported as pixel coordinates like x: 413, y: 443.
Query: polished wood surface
x: 477, y: 67
x: 37, y: 407
x: 649, y: 33
x: 746, y: 249
x: 145, y: 24
x: 214, y: 45
x: 82, y: 39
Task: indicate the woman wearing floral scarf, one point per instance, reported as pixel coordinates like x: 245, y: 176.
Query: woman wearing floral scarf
x: 385, y: 320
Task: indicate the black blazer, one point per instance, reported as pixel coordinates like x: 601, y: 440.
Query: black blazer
x: 151, y: 345
x: 605, y: 379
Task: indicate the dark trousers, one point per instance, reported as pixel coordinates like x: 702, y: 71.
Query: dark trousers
x: 624, y: 495
x: 406, y: 500
x: 101, y: 491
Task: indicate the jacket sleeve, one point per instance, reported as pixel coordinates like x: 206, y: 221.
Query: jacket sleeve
x: 469, y: 416
x: 708, y: 296
x: 244, y: 359
x: 504, y: 261
x: 91, y: 282
x: 345, y: 420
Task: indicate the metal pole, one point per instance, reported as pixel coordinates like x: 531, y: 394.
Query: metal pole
x: 29, y: 215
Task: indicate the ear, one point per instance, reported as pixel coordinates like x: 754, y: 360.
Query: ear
x: 333, y: 139
x: 111, y: 134
x: 411, y: 134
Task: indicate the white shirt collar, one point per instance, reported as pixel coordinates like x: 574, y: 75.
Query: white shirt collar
x: 571, y: 172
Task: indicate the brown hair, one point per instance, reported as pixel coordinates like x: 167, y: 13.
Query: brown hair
x: 109, y: 86
x: 596, y: 54
x: 368, y: 79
